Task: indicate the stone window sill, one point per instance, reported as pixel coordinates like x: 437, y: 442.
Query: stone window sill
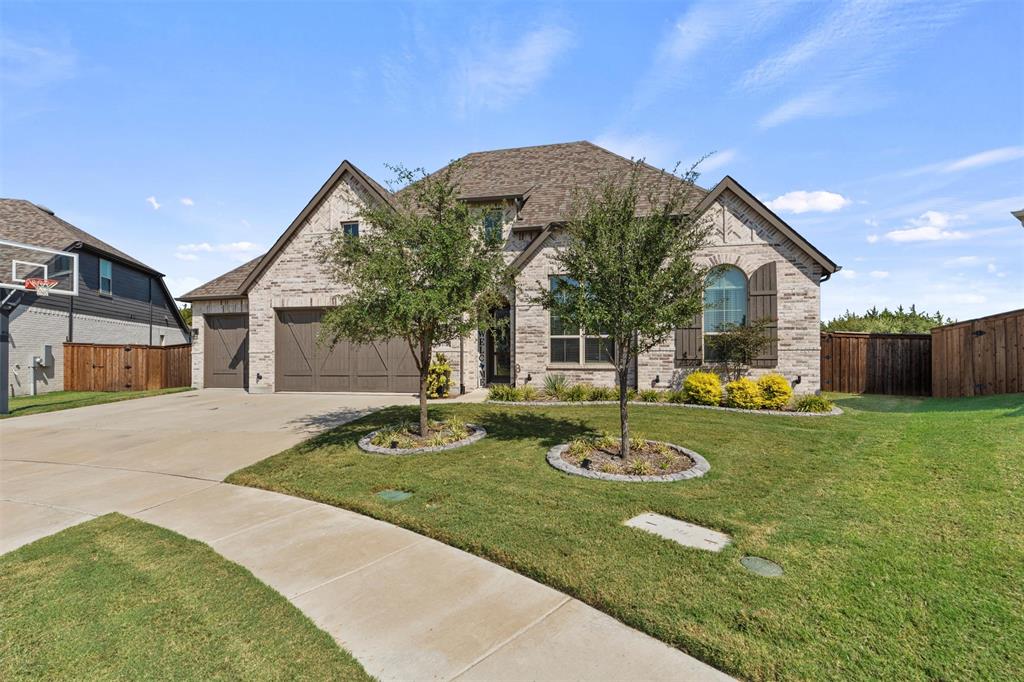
x: 577, y: 367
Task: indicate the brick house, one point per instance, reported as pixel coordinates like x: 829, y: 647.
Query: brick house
x: 256, y: 325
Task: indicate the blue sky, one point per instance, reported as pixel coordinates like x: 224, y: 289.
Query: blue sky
x: 891, y: 135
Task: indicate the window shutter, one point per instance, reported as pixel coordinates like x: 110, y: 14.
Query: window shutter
x: 762, y: 304
x: 689, y: 342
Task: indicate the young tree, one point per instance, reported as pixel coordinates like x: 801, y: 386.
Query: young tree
x: 424, y: 270
x: 630, y: 263
x: 738, y: 344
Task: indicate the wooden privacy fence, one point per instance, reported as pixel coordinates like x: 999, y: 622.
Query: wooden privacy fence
x: 102, y: 367
x: 979, y: 357
x: 893, y: 364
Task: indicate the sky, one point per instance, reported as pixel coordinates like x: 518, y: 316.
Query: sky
x: 889, y: 134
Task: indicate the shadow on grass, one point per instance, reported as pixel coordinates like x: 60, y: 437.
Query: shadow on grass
x: 519, y: 425
x: 920, y: 405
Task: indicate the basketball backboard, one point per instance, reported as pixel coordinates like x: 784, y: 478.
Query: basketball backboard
x: 22, y: 264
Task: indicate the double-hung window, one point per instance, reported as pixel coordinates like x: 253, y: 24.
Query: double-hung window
x: 725, y: 305
x: 106, y: 277
x: 572, y: 345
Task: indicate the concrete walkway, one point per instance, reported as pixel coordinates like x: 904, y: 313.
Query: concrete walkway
x: 406, y: 606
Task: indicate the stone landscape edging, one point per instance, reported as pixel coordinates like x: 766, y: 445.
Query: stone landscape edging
x: 700, y: 467
x: 834, y: 412
x: 365, y: 444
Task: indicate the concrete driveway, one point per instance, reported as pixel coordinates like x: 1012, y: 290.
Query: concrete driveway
x: 407, y: 607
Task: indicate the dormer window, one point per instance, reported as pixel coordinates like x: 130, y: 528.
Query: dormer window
x: 350, y: 229
x: 493, y: 220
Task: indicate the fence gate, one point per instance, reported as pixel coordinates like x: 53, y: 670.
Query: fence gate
x: 891, y: 364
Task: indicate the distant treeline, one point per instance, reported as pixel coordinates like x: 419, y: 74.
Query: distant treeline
x: 885, y: 321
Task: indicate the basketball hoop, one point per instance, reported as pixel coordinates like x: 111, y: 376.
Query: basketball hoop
x: 40, y: 285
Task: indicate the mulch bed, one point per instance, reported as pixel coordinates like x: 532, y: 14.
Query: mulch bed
x: 653, y: 459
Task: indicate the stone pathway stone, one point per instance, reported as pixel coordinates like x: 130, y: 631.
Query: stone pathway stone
x: 687, y: 534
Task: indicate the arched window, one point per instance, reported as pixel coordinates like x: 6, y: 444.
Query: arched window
x: 725, y: 304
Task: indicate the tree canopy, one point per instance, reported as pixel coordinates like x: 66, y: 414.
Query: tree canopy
x: 885, y: 321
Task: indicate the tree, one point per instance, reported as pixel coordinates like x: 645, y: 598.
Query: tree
x: 424, y: 270
x: 738, y: 344
x: 899, y: 321
x: 186, y: 314
x: 630, y: 263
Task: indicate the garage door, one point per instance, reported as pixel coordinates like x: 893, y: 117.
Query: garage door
x: 304, y: 365
x: 226, y: 351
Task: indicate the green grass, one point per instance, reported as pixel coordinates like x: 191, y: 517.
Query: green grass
x: 66, y: 400
x: 116, y: 598
x: 900, y: 526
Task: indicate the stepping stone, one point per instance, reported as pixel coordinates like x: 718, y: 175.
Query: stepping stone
x: 688, y: 534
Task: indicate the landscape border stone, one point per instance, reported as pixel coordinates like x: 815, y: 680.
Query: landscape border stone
x: 365, y: 444
x: 700, y: 467
x: 835, y: 411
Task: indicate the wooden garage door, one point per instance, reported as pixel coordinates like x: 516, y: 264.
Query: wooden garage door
x: 226, y: 351
x: 304, y: 365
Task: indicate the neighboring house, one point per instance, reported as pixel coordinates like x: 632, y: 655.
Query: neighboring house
x: 120, y: 300
x: 1019, y: 215
x: 257, y: 325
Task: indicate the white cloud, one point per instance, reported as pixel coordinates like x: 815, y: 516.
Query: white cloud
x: 718, y: 160
x: 153, y: 202
x: 878, y: 274
x: 239, y: 251
x: 847, y: 273
x: 802, y: 201
x: 987, y: 158
x: 493, y: 77
x: 187, y: 201
x: 186, y: 256
x: 930, y: 226
x: 991, y: 267
x: 872, y: 238
x: 817, y: 103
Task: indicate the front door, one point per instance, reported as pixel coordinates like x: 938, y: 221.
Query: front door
x: 499, y: 349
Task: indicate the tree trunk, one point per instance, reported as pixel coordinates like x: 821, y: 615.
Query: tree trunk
x: 424, y: 371
x: 623, y: 373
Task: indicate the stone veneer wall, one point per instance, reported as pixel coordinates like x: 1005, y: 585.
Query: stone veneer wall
x: 741, y: 238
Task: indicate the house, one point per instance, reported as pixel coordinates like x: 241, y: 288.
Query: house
x: 257, y: 325
x: 120, y: 300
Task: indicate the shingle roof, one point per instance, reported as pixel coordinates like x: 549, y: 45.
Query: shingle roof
x: 547, y: 175
x: 25, y: 222
x: 225, y: 286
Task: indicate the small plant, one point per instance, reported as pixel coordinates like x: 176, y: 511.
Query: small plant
x: 775, y: 391
x: 609, y: 468
x: 676, y: 397
x: 555, y: 385
x: 667, y: 459
x: 605, y: 441
x: 743, y: 393
x: 503, y: 393
x: 439, y: 377
x: 631, y: 394
x: 639, y: 467
x: 603, y: 393
x: 637, y: 441
x: 738, y: 344
x: 578, y: 393
x: 528, y: 393
x: 650, y: 396
x: 579, y: 448
x: 394, y: 436
x: 457, y: 427
x: 813, y: 403
x: 703, y: 388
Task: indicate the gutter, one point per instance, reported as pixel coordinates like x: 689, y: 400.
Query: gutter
x: 828, y: 276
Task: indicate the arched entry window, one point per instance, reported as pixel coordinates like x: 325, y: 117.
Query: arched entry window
x: 725, y: 304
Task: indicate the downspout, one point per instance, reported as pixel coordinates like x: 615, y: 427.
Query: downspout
x: 829, y: 275
x: 71, y: 319
x: 151, y: 310
x: 462, y: 366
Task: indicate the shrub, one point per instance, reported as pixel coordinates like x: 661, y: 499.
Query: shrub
x: 579, y: 447
x: 631, y: 394
x: 528, y: 393
x: 637, y: 441
x: 439, y: 377
x: 577, y: 393
x: 603, y: 393
x: 743, y: 393
x: 676, y: 396
x: 813, y: 403
x: 650, y: 396
x: 503, y: 393
x: 606, y: 441
x: 457, y: 427
x: 639, y: 467
x: 555, y: 385
x: 609, y: 468
x: 703, y: 388
x: 775, y: 391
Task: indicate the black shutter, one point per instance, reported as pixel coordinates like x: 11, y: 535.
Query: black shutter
x: 689, y: 343
x: 762, y: 304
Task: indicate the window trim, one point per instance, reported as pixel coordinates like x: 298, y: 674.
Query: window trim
x: 109, y: 278
x: 705, y: 346
x: 581, y: 336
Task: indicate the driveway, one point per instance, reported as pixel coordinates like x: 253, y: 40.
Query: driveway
x: 407, y: 607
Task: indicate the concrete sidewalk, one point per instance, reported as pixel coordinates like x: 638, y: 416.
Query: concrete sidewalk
x: 406, y: 606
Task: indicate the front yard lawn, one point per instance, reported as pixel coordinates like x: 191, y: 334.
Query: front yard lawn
x: 900, y: 526
x: 116, y: 598
x: 66, y: 400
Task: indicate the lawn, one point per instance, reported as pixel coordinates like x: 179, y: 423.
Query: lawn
x: 66, y: 400
x: 116, y: 598
x: 900, y: 526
